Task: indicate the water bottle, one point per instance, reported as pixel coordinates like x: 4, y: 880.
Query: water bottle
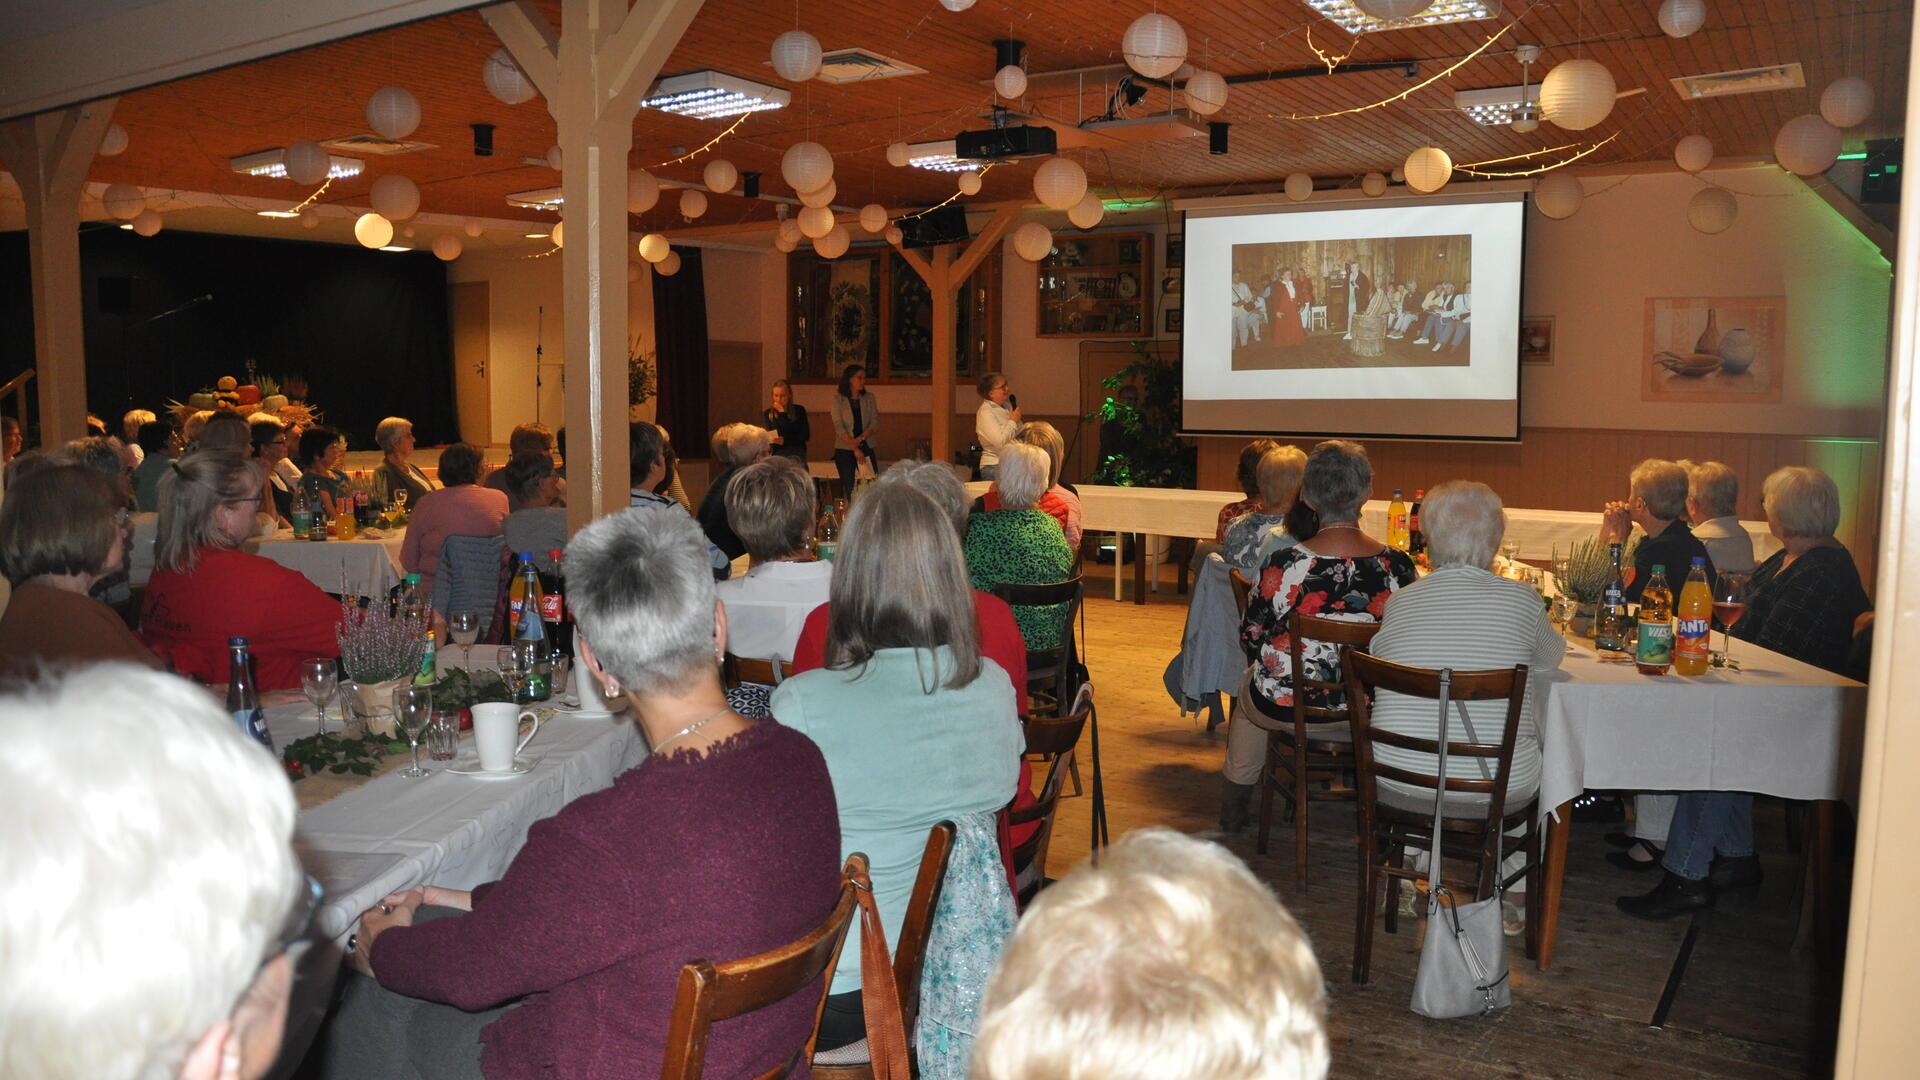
x: 302, y: 513
x: 532, y: 630
x: 243, y: 701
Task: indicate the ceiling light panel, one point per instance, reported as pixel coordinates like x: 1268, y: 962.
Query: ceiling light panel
x: 710, y: 95
x: 1494, y: 107
x: 272, y: 163
x: 1350, y: 18
x: 939, y: 157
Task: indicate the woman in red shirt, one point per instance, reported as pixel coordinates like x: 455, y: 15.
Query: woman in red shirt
x: 205, y: 590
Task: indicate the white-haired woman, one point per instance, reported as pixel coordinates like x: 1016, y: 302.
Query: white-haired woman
x: 1713, y: 513
x: 1802, y: 602
x: 1016, y: 541
x: 1060, y: 501
x: 397, y: 472
x: 1214, y: 979
x: 205, y: 590
x: 566, y: 966
x: 735, y: 446
x: 917, y: 727
x: 152, y: 906
x: 996, y: 420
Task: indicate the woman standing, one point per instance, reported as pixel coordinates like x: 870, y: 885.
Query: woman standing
x: 995, y: 422
x: 397, y: 472
x: 856, y: 416
x: 321, y: 451
x: 788, y: 422
x: 1285, y: 304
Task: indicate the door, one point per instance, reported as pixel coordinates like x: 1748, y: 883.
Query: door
x: 468, y: 311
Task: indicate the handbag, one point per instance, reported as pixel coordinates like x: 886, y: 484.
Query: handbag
x: 1463, y: 961
x: 879, y: 993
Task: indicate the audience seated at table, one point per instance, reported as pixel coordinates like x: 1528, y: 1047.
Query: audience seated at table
x: 225, y: 431
x: 128, y: 438
x: 152, y: 908
x: 60, y: 534
x: 158, y: 444
x: 1713, y: 511
x: 97, y: 453
x: 461, y: 507
x: 538, y: 519
x: 917, y: 728
x: 320, y: 451
x: 191, y: 428
x: 397, y: 472
x: 1658, y: 505
x: 1020, y: 542
x: 205, y: 590
x: 649, y: 461
x: 268, y: 437
x: 770, y: 505
x: 1342, y: 573
x: 1166, y: 960
x: 720, y: 845
x: 1279, y: 474
x: 1803, y: 602
x: 525, y: 439
x: 1247, y: 474
x: 1060, y: 501
x: 735, y: 446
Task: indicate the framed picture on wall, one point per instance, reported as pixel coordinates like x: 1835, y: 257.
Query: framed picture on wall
x: 1172, y: 319
x: 1176, y: 251
x: 1723, y: 350
x: 1536, y: 340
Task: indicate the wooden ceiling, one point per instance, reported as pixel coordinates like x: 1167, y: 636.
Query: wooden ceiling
x: 183, y: 133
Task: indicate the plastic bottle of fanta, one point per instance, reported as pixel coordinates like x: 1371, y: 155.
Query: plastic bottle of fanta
x: 1693, y: 621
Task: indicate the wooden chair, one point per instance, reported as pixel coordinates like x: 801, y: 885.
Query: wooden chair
x: 1477, y: 816
x: 1319, y: 745
x: 735, y: 670
x: 909, y: 954
x: 1054, y: 675
x: 1053, y: 739
x: 708, y: 991
x: 1242, y: 588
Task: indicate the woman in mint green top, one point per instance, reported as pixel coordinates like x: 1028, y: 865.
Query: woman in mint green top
x: 917, y: 728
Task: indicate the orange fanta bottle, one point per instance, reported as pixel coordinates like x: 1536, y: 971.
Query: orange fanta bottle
x: 1693, y: 621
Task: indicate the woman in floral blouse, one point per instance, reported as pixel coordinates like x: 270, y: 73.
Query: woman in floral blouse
x: 1342, y: 573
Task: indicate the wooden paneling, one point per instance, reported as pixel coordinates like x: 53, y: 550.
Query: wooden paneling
x: 733, y: 390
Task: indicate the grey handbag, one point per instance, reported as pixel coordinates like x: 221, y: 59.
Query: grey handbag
x: 1463, y: 961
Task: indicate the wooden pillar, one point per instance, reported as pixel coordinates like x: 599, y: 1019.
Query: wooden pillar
x: 944, y: 275
x: 48, y: 156
x: 593, y: 73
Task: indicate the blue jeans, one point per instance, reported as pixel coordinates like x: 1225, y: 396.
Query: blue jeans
x: 1706, y: 822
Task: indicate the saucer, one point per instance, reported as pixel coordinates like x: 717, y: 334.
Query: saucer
x: 521, y: 767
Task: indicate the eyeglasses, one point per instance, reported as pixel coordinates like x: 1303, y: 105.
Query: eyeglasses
x: 293, y: 933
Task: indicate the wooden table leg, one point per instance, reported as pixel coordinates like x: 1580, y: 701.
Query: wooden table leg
x: 1140, y: 568
x: 1558, y: 826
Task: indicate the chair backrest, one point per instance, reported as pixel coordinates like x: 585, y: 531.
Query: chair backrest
x: 1303, y: 628
x: 1066, y: 597
x: 910, y: 952
x: 1242, y: 588
x: 468, y: 578
x: 1367, y: 674
x: 708, y: 991
x: 1054, y: 739
x: 735, y: 670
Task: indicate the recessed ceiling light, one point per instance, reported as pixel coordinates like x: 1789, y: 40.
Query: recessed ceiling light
x: 271, y: 163
x: 536, y: 235
x: 395, y: 247
x: 128, y: 226
x: 709, y: 95
x: 277, y: 213
x: 1350, y: 18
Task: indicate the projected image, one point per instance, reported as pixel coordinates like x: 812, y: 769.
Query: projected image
x: 1378, y: 302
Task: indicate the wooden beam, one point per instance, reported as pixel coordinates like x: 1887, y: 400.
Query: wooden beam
x: 984, y: 243
x: 633, y: 57
x: 942, y: 373
x: 532, y: 42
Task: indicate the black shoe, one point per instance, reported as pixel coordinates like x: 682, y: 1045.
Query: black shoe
x: 1234, y: 799
x: 1599, y: 809
x: 1739, y: 872
x: 1625, y: 860
x: 1674, y: 895
x: 1621, y: 839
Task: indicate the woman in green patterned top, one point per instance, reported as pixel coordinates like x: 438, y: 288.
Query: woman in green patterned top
x: 1021, y: 544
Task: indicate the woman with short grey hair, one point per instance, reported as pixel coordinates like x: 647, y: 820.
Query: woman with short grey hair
x: 770, y: 507
x: 394, y: 436
x: 735, y: 446
x: 610, y: 896
x: 1013, y: 541
x: 1713, y: 508
x: 995, y: 421
x: 1026, y: 481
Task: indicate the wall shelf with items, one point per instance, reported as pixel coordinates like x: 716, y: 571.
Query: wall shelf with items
x: 1097, y: 285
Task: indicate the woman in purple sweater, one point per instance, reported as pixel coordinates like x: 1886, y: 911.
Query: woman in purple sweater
x: 724, y: 843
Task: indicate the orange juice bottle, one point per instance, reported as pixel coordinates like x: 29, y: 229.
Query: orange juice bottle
x: 1693, y: 621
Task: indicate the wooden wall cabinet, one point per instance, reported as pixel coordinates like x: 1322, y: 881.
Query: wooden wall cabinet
x: 1097, y: 285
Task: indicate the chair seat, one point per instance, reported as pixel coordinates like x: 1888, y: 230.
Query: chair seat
x: 1336, y: 732
x: 1470, y: 807
x: 854, y: 1053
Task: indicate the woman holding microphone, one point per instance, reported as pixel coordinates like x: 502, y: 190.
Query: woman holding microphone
x: 995, y: 423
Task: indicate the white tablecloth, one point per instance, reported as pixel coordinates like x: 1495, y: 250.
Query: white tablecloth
x: 370, y: 565
x: 453, y: 831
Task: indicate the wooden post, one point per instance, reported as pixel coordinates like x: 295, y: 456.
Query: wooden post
x: 944, y: 275
x: 593, y: 73
x: 48, y: 156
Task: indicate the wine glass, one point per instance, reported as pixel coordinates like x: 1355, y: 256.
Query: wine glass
x: 412, y: 708
x: 320, y: 680
x: 465, y: 628
x: 515, y: 663
x: 1729, y: 603
x: 1510, y: 549
x: 400, y: 498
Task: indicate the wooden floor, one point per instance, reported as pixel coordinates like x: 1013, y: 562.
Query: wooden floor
x: 1746, y: 1007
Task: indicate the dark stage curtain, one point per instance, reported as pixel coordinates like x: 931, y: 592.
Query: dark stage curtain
x: 680, y: 351
x: 169, y: 314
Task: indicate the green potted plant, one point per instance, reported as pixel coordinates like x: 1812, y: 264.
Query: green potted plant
x: 1139, y: 420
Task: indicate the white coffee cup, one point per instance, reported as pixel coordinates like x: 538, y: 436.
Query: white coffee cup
x: 496, y: 725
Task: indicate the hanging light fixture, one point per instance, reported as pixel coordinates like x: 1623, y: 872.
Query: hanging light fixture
x: 643, y: 191
x: 373, y: 231
x: 395, y: 197
x: 873, y: 217
x: 505, y: 80
x: 796, y: 56
x: 1059, y: 183
x: 897, y: 154
x: 447, y: 247
x: 1806, y: 145
x: 823, y: 196
x: 654, y: 247
x: 1712, y: 210
x: 1206, y: 92
x: 147, y: 222
x: 1693, y: 153
x: 1032, y: 241
x: 1155, y: 45
x: 114, y: 141
x: 806, y: 166
x: 720, y: 176
x: 1558, y: 195
x: 834, y: 244
x: 124, y: 201
x: 1087, y: 212
x: 393, y: 112
x: 1577, y: 94
x: 1428, y: 169
x: 1374, y: 184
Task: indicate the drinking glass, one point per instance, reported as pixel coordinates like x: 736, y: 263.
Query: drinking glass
x: 320, y: 680
x: 515, y: 662
x: 443, y: 736
x: 412, y: 708
x: 1510, y: 549
x: 400, y: 498
x: 1729, y: 603
x: 464, y: 626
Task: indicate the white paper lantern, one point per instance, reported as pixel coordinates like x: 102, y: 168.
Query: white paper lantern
x: 796, y: 56
x: 124, y: 201
x: 894, y: 235
x: 373, y: 231
x: 554, y: 157
x: 1299, y: 186
x: 447, y: 247
x: 395, y: 197
x: 408, y: 232
x: 823, y: 197
x: 1845, y: 102
x: 393, y: 112
x: 309, y: 219
x: 306, y: 162
x: 1558, y: 195
x: 472, y: 228
x: 789, y: 230
x: 1087, y: 212
x: 1428, y: 169
x: 786, y: 244
x: 643, y: 191
x: 1391, y: 10
x: 1693, y: 153
x: 558, y: 235
x: 654, y: 247
x: 693, y: 203
x: 720, y: 176
x: 1010, y: 82
x: 969, y: 183
x: 1806, y: 145
x: 1577, y: 94
x: 633, y: 271
x: 898, y: 154
x: 834, y: 244
x: 1374, y: 184
x: 1059, y: 183
x: 1154, y: 45
x: 873, y: 217
x: 1399, y: 175
x: 669, y: 266
x: 1206, y: 92
x: 1032, y: 241
x: 505, y: 80
x: 956, y: 5
x: 147, y: 223
x: 816, y: 222
x: 114, y: 141
x: 1678, y: 18
x: 1712, y: 210
x: 806, y: 166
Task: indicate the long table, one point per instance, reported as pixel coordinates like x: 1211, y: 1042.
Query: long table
x: 369, y: 565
